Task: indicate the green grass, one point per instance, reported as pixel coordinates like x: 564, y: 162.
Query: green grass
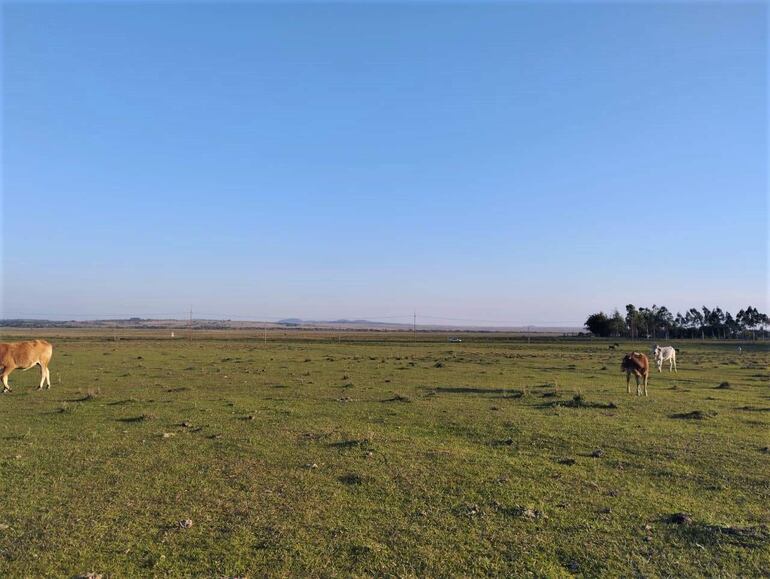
x: 486, y: 463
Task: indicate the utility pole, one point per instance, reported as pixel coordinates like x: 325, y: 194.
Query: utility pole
x: 264, y: 326
x: 414, y: 327
x: 191, y: 323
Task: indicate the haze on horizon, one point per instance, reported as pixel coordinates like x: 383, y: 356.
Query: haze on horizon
x: 520, y: 163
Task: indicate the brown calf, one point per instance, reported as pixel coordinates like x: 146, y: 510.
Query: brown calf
x: 24, y: 355
x: 637, y: 364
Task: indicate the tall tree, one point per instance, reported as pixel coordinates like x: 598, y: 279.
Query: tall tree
x: 632, y: 320
x: 732, y: 327
x: 740, y: 319
x: 617, y: 324
x: 697, y: 319
x: 706, y: 319
x: 664, y: 320
x: 598, y: 324
x: 681, y: 324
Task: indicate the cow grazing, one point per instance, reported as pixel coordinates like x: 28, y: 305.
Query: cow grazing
x: 637, y: 364
x: 25, y: 355
x: 666, y: 353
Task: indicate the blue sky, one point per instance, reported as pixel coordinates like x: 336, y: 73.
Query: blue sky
x: 521, y: 162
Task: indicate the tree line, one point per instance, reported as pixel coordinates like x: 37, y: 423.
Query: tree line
x: 659, y: 322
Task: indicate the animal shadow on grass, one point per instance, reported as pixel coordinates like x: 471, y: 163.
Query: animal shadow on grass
x: 84, y: 398
x: 17, y: 436
x: 577, y: 402
x: 398, y: 398
x: 121, y: 402
x: 495, y: 392
x: 708, y: 535
x: 694, y: 415
x: 90, y: 394
x: 140, y: 418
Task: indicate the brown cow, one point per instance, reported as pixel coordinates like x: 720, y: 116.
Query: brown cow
x: 25, y: 355
x: 637, y: 364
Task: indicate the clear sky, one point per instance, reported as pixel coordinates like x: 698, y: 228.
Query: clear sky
x: 526, y: 163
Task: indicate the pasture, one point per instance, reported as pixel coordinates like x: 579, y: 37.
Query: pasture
x: 367, y: 454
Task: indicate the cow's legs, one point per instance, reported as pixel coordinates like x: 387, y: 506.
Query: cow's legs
x: 645, y: 384
x: 628, y: 382
x: 6, y: 373
x: 42, y: 376
x: 48, y: 377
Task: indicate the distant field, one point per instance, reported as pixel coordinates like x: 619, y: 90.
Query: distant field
x: 328, y: 454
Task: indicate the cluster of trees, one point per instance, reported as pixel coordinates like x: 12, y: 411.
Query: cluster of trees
x: 659, y: 322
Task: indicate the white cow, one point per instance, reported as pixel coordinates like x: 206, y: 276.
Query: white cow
x: 663, y: 354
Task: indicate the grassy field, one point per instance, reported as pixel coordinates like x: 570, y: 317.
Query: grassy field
x: 367, y: 454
